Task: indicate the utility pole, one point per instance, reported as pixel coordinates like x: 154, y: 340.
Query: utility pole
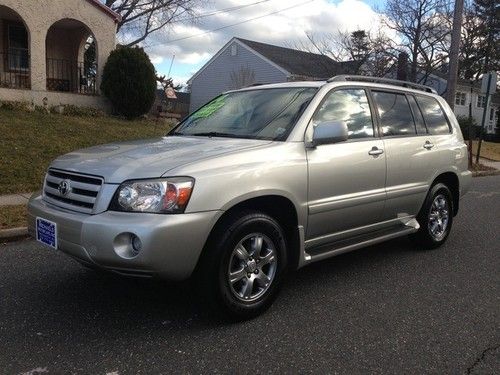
x: 470, y: 123
x: 455, y: 46
x: 491, y: 81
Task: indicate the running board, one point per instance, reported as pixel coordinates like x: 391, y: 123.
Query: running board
x: 364, y: 240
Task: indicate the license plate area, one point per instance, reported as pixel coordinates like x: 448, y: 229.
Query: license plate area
x: 46, y: 232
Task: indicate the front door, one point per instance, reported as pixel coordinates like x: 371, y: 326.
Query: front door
x: 346, y: 179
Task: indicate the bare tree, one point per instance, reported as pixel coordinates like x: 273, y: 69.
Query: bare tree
x: 327, y: 44
x: 372, y: 51
x: 471, y: 52
x: 244, y: 76
x: 424, y: 27
x: 141, y: 18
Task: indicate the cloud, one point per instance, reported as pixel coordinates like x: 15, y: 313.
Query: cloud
x: 192, y: 50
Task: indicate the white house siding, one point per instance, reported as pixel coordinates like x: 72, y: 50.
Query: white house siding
x: 440, y: 84
x: 477, y: 112
x: 215, y: 77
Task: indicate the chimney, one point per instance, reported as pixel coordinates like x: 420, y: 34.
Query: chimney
x: 402, y: 66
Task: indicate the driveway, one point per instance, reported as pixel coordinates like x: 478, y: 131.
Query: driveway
x: 385, y: 309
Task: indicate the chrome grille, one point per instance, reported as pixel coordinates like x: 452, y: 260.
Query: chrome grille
x: 79, y: 192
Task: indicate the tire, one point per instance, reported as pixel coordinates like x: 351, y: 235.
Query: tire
x: 435, y: 218
x: 232, y: 253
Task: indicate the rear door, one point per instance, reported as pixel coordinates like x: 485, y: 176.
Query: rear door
x: 409, y: 159
x: 346, y: 179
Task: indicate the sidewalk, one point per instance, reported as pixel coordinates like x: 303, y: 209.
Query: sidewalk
x: 14, y: 199
x: 489, y: 163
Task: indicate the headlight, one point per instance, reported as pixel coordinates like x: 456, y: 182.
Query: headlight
x: 169, y: 195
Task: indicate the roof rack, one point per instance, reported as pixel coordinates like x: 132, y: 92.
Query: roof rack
x: 387, y: 81
x: 256, y: 84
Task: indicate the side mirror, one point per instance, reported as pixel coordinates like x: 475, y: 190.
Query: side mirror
x: 329, y: 132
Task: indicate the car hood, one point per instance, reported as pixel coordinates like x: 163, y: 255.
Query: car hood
x: 117, y: 162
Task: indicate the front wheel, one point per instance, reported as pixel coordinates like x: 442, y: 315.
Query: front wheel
x: 241, y: 270
x: 435, y: 218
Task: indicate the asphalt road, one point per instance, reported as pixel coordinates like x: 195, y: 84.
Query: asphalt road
x: 386, y: 309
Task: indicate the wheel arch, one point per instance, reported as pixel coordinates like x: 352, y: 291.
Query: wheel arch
x: 450, y: 179
x: 279, y: 207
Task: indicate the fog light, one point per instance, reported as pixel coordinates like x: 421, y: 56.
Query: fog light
x: 136, y: 243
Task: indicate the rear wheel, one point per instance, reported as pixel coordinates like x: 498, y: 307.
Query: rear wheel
x: 241, y: 270
x: 435, y: 218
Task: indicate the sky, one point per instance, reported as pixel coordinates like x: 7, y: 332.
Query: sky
x: 193, y: 44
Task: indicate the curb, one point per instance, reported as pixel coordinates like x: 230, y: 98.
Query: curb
x: 486, y: 173
x: 13, y: 233
x: 18, y: 199
x: 488, y: 159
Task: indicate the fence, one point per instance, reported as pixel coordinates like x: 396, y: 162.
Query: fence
x: 15, y: 69
x: 71, y: 76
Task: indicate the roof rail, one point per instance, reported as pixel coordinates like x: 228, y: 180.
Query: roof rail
x: 256, y: 84
x: 387, y: 81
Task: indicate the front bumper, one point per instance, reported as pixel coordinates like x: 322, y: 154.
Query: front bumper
x: 171, y: 244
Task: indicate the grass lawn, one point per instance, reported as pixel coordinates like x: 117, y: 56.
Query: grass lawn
x: 489, y: 150
x: 13, y: 216
x: 30, y: 141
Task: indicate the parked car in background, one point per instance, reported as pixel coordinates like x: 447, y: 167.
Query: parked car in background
x: 261, y: 181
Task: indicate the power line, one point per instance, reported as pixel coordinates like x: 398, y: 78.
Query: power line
x: 204, y: 15
x: 227, y: 26
x: 225, y: 10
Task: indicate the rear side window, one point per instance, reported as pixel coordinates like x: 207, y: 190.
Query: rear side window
x: 395, y: 114
x: 349, y: 106
x: 417, y: 116
x: 433, y: 115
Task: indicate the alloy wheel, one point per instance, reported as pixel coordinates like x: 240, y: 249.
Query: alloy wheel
x: 252, y: 267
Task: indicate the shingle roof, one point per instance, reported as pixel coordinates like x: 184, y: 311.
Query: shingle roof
x: 301, y: 63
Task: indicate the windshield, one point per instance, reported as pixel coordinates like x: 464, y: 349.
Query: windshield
x: 257, y: 114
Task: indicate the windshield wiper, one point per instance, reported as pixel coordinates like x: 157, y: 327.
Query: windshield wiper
x: 214, y: 134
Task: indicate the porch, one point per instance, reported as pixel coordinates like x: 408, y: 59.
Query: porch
x: 70, y: 56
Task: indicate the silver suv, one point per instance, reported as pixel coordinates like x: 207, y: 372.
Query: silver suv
x: 258, y: 182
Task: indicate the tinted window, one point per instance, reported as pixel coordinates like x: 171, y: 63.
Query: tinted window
x: 433, y: 115
x: 417, y: 116
x: 349, y: 106
x: 258, y: 114
x: 395, y: 114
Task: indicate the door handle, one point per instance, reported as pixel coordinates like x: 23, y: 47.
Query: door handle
x: 428, y: 145
x: 375, y: 151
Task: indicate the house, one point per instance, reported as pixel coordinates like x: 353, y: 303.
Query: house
x: 177, y: 107
x: 53, y: 52
x: 466, y: 93
x: 470, y: 93
x: 243, y: 62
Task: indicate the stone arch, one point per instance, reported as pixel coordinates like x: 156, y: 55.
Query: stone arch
x: 71, y: 52
x: 15, y: 50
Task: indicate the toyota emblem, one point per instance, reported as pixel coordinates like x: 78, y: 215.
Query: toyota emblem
x: 64, y: 187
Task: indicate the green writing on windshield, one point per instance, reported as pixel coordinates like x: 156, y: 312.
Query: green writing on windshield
x: 210, y: 108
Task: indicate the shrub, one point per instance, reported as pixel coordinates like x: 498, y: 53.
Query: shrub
x: 73, y: 110
x: 15, y: 106
x: 129, y: 81
x: 464, y: 122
